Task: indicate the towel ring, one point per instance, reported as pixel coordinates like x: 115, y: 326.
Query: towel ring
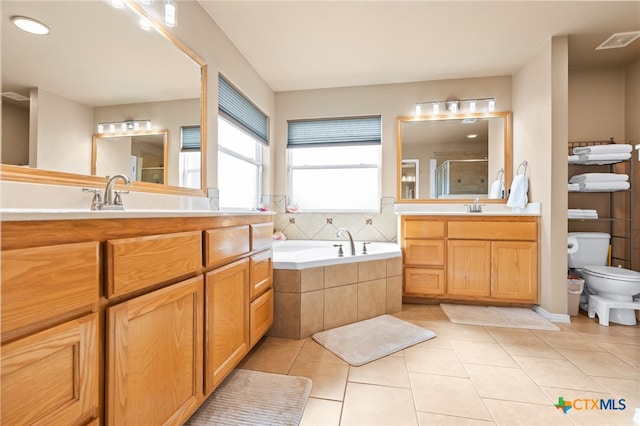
x: 500, y: 175
x: 524, y: 163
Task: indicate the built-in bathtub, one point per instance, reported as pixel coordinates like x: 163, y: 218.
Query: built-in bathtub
x: 315, y: 289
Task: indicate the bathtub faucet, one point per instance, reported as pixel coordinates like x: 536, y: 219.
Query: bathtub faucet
x: 341, y: 232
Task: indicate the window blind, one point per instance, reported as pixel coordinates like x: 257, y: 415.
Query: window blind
x: 233, y: 105
x: 345, y: 131
x: 190, y: 138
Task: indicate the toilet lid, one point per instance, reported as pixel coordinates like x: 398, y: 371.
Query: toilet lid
x: 613, y: 272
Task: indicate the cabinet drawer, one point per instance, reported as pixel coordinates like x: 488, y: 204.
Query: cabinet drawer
x: 516, y: 231
x: 52, y: 377
x: 422, y: 228
x: 424, y: 252
x: 261, y: 236
x: 423, y: 281
x: 42, y: 283
x: 261, y: 312
x: 260, y: 273
x: 222, y: 245
x: 139, y: 262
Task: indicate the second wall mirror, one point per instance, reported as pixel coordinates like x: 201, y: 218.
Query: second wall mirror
x: 454, y: 156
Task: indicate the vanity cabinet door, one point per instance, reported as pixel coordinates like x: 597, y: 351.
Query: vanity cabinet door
x: 261, y: 311
x: 514, y: 271
x: 227, y: 321
x: 469, y: 268
x: 154, y: 356
x: 424, y: 281
x: 51, y: 377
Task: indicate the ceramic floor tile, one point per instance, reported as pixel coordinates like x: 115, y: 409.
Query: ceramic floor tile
x: 454, y: 396
x: 557, y: 373
x: 270, y: 358
x: 438, y: 419
x: 485, y: 353
x: 526, y: 344
x: 387, y: 371
x: 567, y: 340
x: 321, y: 412
x: 463, y: 332
x: 586, y: 408
x: 377, y: 405
x: 434, y: 361
x: 312, y: 351
x: 627, y: 353
x: 329, y: 380
x: 510, y: 384
x: 511, y: 413
x: 600, y: 364
x: 284, y: 341
x: 629, y: 390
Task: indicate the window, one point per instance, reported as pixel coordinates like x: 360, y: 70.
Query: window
x: 334, y: 165
x: 190, y: 157
x: 242, y: 133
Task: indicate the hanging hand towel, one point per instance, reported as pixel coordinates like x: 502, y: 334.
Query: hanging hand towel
x: 518, y: 192
x: 497, y: 189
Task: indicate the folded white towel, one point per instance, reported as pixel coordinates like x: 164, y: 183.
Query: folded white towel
x: 603, y: 149
x: 573, y: 159
x: 599, y: 177
x: 582, y: 214
x: 518, y: 192
x: 604, y: 186
x: 603, y: 158
x: 497, y: 189
x: 572, y: 187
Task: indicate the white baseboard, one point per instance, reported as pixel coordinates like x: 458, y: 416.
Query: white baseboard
x: 561, y: 318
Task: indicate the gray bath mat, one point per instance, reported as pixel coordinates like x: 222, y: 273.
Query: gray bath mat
x: 251, y: 398
x: 368, y: 340
x: 493, y: 316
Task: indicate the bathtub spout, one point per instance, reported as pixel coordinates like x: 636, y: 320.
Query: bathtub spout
x: 343, y: 231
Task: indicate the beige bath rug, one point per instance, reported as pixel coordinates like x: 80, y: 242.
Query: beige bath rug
x: 250, y: 398
x: 493, y: 316
x: 368, y: 340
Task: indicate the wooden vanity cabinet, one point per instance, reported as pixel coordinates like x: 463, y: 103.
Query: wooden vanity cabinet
x: 50, y: 342
x: 154, y: 356
x: 227, y: 321
x: 492, y: 258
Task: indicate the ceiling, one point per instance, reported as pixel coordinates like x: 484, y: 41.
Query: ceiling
x: 301, y: 44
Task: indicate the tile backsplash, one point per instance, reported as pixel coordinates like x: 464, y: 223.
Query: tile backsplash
x: 382, y: 226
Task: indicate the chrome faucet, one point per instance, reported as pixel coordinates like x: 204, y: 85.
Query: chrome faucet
x: 341, y: 232
x: 113, y: 199
x: 476, y: 207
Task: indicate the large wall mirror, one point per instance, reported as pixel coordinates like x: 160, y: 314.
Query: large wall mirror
x: 454, y: 156
x: 98, y: 65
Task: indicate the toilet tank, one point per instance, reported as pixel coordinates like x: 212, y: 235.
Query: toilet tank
x: 587, y: 249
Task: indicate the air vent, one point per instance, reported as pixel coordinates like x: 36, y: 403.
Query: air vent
x: 618, y: 40
x: 14, y: 96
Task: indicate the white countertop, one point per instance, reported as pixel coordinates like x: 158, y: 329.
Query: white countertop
x: 9, y: 215
x: 493, y: 209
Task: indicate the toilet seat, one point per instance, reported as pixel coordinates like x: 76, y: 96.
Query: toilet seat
x: 616, y: 273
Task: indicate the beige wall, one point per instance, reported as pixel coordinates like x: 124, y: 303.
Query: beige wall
x: 632, y: 135
x: 15, y: 135
x: 540, y: 137
x: 388, y: 100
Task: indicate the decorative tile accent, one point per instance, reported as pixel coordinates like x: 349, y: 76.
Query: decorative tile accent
x: 368, y: 222
x: 329, y: 221
x: 292, y: 220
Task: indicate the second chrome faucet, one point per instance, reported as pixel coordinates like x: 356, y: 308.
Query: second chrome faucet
x: 342, y: 232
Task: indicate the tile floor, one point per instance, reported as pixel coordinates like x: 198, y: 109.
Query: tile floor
x: 469, y: 375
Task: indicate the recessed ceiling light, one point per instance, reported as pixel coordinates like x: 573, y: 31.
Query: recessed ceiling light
x: 30, y: 25
x: 618, y: 40
x: 472, y: 136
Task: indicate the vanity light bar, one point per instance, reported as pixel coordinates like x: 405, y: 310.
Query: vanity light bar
x: 124, y: 126
x: 454, y: 106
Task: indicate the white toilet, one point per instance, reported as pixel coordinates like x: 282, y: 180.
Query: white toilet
x: 609, y: 291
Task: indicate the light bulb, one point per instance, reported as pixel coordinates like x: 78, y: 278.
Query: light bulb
x: 145, y: 24
x: 136, y: 126
x: 148, y: 125
x: 112, y: 128
x: 454, y: 107
x: 436, y: 108
x: 418, y: 109
x: 100, y: 128
x: 118, y: 4
x: 492, y: 105
x: 170, y: 14
x: 472, y: 106
x: 123, y: 126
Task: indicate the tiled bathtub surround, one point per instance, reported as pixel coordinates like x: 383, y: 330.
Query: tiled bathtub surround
x: 381, y: 226
x: 316, y: 299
